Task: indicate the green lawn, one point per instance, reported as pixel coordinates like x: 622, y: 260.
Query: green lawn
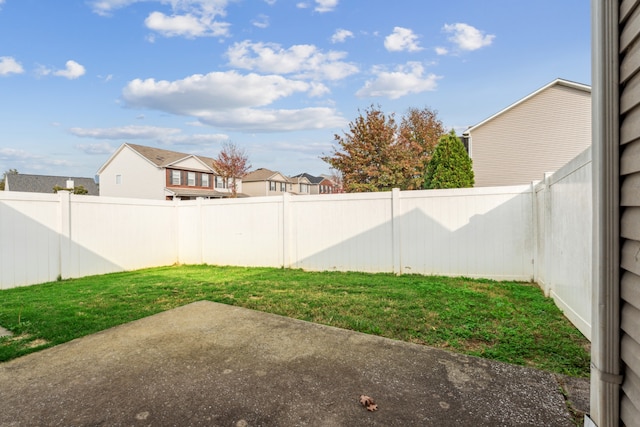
x: 508, y: 321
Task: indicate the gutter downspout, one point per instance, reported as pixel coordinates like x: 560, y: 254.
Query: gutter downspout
x: 605, y: 349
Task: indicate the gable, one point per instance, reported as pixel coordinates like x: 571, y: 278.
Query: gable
x: 191, y: 163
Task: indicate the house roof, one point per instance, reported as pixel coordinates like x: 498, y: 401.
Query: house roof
x: 556, y: 82
x: 312, y: 179
x: 159, y: 157
x: 164, y: 158
x: 262, y: 174
x: 45, y: 183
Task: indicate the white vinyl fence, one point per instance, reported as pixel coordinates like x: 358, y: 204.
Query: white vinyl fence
x: 529, y: 233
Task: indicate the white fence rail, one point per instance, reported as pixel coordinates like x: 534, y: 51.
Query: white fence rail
x: 534, y: 232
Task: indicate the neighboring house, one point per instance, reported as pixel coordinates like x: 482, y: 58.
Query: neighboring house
x: 153, y: 173
x: 302, y: 185
x: 538, y: 134
x: 328, y: 186
x: 314, y: 182
x: 265, y: 182
x: 45, y: 183
x: 320, y: 184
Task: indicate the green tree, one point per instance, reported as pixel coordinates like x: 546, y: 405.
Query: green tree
x: 377, y: 155
x: 450, y: 166
x: 79, y: 189
x: 4, y: 176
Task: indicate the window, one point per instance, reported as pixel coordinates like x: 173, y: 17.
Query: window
x: 191, y: 179
x: 175, y: 177
x: 118, y: 179
x: 283, y: 186
x: 272, y: 185
x: 205, y: 180
x: 220, y: 182
x: 304, y: 188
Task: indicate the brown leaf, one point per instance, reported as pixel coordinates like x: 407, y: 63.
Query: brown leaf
x: 368, y: 403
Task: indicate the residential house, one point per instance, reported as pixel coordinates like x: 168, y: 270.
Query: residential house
x: 152, y: 173
x: 265, y: 182
x: 329, y: 186
x: 46, y: 183
x: 537, y: 134
x: 302, y: 185
x: 320, y: 184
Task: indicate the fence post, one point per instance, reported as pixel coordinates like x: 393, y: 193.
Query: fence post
x: 395, y: 230
x: 64, y: 269
x: 200, y: 229
x: 286, y: 230
x: 548, y: 235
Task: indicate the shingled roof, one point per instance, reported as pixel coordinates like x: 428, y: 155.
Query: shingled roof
x: 261, y: 174
x: 45, y: 183
x: 163, y: 158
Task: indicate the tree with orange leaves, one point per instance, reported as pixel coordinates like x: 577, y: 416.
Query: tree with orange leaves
x: 378, y: 155
x: 232, y: 163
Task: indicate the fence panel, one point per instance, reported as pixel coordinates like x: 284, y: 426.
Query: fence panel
x: 569, y: 240
x: 29, y: 239
x: 244, y: 232
x: 343, y: 232
x: 476, y: 232
x: 109, y: 234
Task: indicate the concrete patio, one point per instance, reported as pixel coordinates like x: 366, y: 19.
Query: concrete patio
x: 208, y: 364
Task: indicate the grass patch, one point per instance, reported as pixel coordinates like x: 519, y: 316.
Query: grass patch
x: 507, y: 321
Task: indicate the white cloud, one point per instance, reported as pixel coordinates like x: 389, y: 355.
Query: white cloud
x: 197, y: 139
x: 255, y: 120
x: 96, y: 148
x: 262, y: 21
x: 229, y: 100
x: 404, y: 80
x: 105, y: 7
x: 124, y: 132
x: 72, y: 71
x: 303, y: 61
x: 9, y: 65
x: 402, y: 39
x: 14, y: 154
x: 21, y: 160
x: 159, y: 134
x: 325, y: 5
x: 466, y: 37
x: 270, y: 2
x: 187, y: 18
x: 214, y: 91
x: 188, y: 25
x: 341, y: 35
x: 441, y: 50
x: 302, y: 5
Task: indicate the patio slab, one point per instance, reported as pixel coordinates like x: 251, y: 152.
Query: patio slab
x: 208, y: 364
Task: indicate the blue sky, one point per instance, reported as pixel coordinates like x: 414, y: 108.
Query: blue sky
x: 277, y: 77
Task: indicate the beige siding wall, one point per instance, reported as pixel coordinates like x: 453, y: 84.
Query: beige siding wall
x: 539, y: 135
x: 138, y: 177
x: 630, y: 210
